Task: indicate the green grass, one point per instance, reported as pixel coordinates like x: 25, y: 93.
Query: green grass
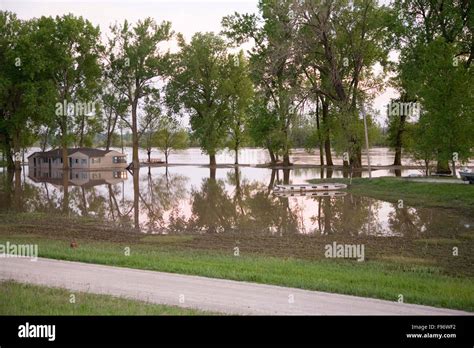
x: 418, y: 283
x: 443, y: 195
x: 25, y: 299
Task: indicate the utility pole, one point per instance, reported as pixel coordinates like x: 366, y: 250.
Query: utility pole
x: 366, y: 139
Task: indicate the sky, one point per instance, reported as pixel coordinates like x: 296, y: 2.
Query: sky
x: 186, y: 17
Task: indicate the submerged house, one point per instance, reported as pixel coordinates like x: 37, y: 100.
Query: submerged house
x: 79, y: 158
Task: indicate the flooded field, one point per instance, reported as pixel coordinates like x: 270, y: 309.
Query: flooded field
x: 249, y: 156
x: 235, y: 207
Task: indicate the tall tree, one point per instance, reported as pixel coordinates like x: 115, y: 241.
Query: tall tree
x: 399, y: 112
x: 447, y: 100
x: 436, y: 40
x: 240, y: 89
x: 274, y: 61
x: 72, y: 49
x: 198, y: 84
x: 114, y: 107
x: 169, y: 136
x: 149, y: 125
x: 341, y: 41
x: 26, y: 92
x: 135, y: 65
x: 263, y: 127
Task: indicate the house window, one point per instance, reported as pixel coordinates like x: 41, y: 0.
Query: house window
x: 120, y: 174
x: 95, y: 160
x: 83, y: 161
x: 117, y: 159
x: 77, y: 160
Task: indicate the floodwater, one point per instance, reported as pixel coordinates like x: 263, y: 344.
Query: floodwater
x: 196, y: 200
x: 252, y: 156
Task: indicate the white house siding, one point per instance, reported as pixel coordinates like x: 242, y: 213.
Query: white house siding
x: 79, y: 160
x: 107, y: 161
x: 41, y: 164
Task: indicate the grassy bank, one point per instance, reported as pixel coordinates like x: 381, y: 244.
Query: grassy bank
x: 418, y: 283
x: 444, y: 195
x: 25, y: 299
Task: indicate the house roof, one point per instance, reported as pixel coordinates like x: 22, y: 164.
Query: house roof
x: 91, y: 152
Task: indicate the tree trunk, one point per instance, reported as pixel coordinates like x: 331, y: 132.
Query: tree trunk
x: 286, y: 176
x: 327, y: 215
x: 136, y: 197
x: 327, y: 151
x: 16, y: 150
x: 9, y: 155
x: 321, y: 153
x: 356, y: 159
x: 327, y: 141
x: 212, y: 173
x: 64, y: 156
x: 81, y: 137
x: 44, y: 142
x: 65, y: 206
x: 272, y: 156
x: 272, y: 179
x: 109, y: 137
x: 355, y: 156
x: 286, y: 160
x: 111, y: 129
x: 237, y: 179
x: 135, y: 160
x: 398, y: 142
x: 212, y: 160
x: 398, y: 156
x: 64, y: 145
x: 149, y: 155
x: 166, y: 157
x: 236, y: 155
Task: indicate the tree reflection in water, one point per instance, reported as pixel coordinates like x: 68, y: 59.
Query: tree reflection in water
x: 166, y: 202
